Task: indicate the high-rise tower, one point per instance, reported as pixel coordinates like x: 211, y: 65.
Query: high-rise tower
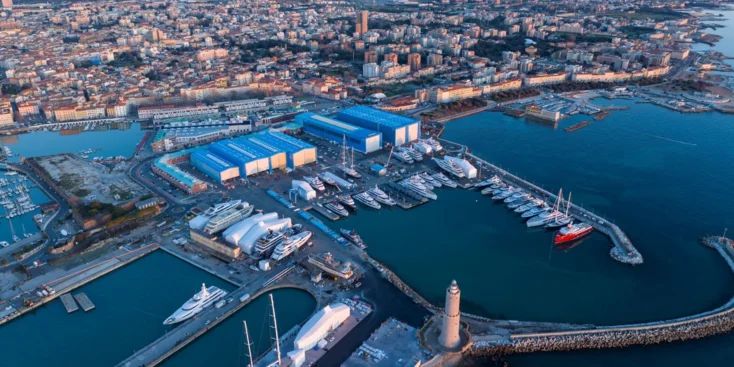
x: 7, y: 4
x: 449, y: 337
x: 361, y: 21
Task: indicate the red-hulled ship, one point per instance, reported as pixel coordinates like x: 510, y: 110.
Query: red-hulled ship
x: 572, y: 232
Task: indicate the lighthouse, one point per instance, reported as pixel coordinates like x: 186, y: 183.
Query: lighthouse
x: 449, y: 337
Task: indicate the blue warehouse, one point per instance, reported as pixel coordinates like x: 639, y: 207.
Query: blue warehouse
x: 298, y: 153
x: 214, y: 166
x: 362, y: 140
x: 395, y: 129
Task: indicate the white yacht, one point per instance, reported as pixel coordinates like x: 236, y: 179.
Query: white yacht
x: 327, y: 180
x: 216, y: 209
x: 488, y: 182
x: 504, y: 194
x: 548, y: 216
x: 290, y: 245
x: 440, y: 177
x: 433, y: 144
x: 418, y: 187
x: 366, y: 199
x: 520, y: 202
x: 347, y: 200
x: 380, y: 196
x: 267, y: 243
x: 314, y: 182
x: 228, y: 217
x: 533, y: 203
x: 336, y: 208
x: 450, y: 167
x: 427, y: 178
x: 487, y: 191
x: 425, y: 183
x: 205, y: 298
x: 519, y: 195
x: 403, y: 157
x: 562, y: 220
x: 414, y: 154
x: 535, y: 211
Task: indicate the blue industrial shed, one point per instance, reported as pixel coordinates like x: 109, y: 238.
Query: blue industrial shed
x: 297, y: 152
x: 361, y: 139
x: 395, y: 129
x: 213, y: 165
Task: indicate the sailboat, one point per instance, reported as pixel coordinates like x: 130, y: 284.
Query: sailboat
x: 547, y: 217
x: 276, y: 338
x: 563, y: 220
x: 349, y: 171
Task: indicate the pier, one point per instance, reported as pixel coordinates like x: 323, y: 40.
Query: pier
x: 326, y: 213
x: 84, y: 301
x: 69, y: 303
x: 623, y: 250
x: 404, y: 197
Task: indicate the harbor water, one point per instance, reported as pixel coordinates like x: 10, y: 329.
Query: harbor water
x: 131, y: 305
x: 224, y: 345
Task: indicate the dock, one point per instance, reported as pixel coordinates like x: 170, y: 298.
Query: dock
x: 326, y: 213
x: 69, y: 303
x: 84, y: 301
x: 404, y: 197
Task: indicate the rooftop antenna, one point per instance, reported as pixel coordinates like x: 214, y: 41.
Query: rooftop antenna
x: 275, y: 327
x: 249, y: 344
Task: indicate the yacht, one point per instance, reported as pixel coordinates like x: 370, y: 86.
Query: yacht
x: 422, y: 181
x: 427, y: 178
x: 216, y: 209
x: 290, y: 245
x: 367, y: 200
x: 418, y: 187
x: 314, y: 182
x: 518, y: 203
x: 267, y: 243
x: 205, y: 298
x: 347, y: 200
x: 548, y: 217
x: 380, y: 196
x: 433, y: 144
x: 488, y: 182
x: 528, y: 205
x: 572, y: 232
x: 403, y: 157
x: 562, y: 220
x: 416, y: 155
x: 535, y: 211
x: 450, y: 167
x: 292, y: 230
x: 487, y: 191
x: 504, y: 194
x: 327, y: 180
x: 519, y: 195
x: 349, y: 171
x: 500, y: 190
x: 440, y: 177
x: 228, y: 217
x: 336, y: 208
x: 353, y: 237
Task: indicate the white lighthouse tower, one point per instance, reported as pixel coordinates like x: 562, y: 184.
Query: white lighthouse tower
x: 449, y: 337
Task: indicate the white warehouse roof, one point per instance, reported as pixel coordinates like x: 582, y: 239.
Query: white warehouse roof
x: 320, y: 325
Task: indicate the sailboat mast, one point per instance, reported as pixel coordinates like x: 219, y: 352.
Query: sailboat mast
x: 568, y: 203
x: 344, y: 151
x: 249, y: 349
x: 275, y: 326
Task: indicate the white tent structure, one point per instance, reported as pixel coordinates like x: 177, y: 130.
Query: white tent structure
x: 469, y: 170
x: 247, y: 243
x: 235, y: 233
x: 320, y: 325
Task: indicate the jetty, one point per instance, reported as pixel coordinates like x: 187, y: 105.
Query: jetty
x: 404, y: 197
x: 69, y: 303
x: 84, y: 301
x: 623, y: 250
x: 575, y: 127
x: 326, y: 213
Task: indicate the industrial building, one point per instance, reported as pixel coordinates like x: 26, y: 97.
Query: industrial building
x: 165, y: 166
x: 249, y: 159
x: 297, y: 153
x: 361, y: 139
x: 276, y: 157
x: 395, y: 129
x: 214, y: 166
x: 320, y: 325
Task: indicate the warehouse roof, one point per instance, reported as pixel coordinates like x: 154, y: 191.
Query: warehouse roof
x: 252, y: 148
x: 282, y: 142
x: 236, y: 152
x: 339, y: 127
x: 210, y: 159
x: 172, y: 170
x: 375, y: 116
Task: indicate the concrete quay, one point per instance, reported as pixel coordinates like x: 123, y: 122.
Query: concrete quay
x: 623, y: 250
x: 716, y: 321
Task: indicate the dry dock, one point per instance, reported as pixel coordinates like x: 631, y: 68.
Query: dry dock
x: 69, y: 303
x: 84, y: 301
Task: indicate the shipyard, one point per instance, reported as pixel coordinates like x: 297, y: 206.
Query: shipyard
x: 434, y: 184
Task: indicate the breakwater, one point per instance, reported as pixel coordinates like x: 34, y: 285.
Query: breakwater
x: 717, y: 321
x: 623, y: 250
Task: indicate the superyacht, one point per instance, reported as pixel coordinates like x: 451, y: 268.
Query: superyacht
x: 267, y: 243
x: 290, y: 245
x: 337, y: 208
x: 228, y: 217
x: 327, y: 180
x: 488, y: 182
x: 205, y: 298
x: 547, y: 217
x: 353, y: 237
x: 315, y: 182
x: 535, y: 211
x: 519, y: 195
x: 450, y: 167
x: 403, y: 157
x: 216, y: 209
x: 427, y: 178
x: 367, y: 200
x: 533, y: 203
x: 347, y: 200
x: 440, y: 177
x: 380, y: 196
x: 419, y: 188
x: 504, y: 194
